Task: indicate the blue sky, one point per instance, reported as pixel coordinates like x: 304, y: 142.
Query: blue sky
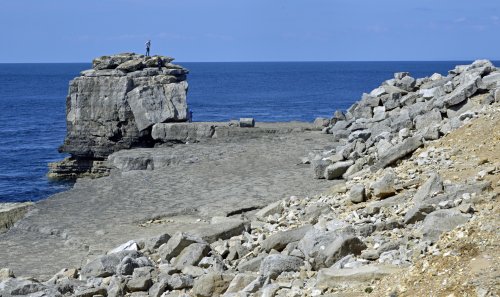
x: 251, y: 30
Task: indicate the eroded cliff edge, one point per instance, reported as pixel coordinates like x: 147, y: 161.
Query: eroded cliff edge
x: 114, y: 106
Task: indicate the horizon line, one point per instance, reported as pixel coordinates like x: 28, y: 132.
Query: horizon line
x: 277, y: 61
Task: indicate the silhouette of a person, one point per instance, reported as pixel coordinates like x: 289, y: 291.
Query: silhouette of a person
x: 148, y: 47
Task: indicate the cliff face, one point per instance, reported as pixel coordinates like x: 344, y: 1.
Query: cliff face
x: 114, y: 105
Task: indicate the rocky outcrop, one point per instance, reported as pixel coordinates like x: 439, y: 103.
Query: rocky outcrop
x: 312, y: 246
x: 115, y: 104
x: 395, y: 119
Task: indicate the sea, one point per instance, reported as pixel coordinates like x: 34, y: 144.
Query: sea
x: 33, y: 104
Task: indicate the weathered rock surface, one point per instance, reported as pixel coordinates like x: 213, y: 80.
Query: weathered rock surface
x: 395, y: 119
x: 332, y: 277
x: 177, y: 243
x: 279, y: 241
x: 274, y: 265
x: 114, y: 105
x: 285, y: 248
x: 12, y: 212
x: 440, y: 221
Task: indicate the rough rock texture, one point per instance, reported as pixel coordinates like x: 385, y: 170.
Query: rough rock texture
x: 395, y: 119
x: 12, y: 212
x: 111, y: 110
x: 114, y: 105
x: 434, y: 235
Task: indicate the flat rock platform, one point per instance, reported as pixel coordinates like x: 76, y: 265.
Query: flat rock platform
x: 219, y: 177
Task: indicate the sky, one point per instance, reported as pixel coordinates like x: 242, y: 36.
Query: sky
x: 251, y: 30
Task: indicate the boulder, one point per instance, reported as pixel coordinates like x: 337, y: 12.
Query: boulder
x: 156, y: 241
x: 239, y: 282
x: 428, y: 119
x: 384, y: 187
x: 273, y: 208
x: 313, y: 211
x: 106, y: 265
x: 130, y: 245
x: 278, y: 241
x: 6, y: 273
x: 176, y: 244
x: 357, y: 193
x: 400, y: 75
x: 397, y: 152
x: 442, y: 221
x: 319, y: 167
x: 158, y: 288
x: 17, y: 286
x: 359, y: 134
x: 191, y: 255
x: 466, y: 89
x: 364, y: 112
x: 429, y: 93
x: 273, y: 265
x: 378, y: 92
x: 180, y: 281
x: 490, y: 81
x: 211, y: 284
x: 333, y: 277
x: 342, y: 245
x: 321, y: 122
x: 379, y: 113
x: 247, y: 122
x: 418, y: 212
x: 432, y: 186
x: 90, y: 292
x: 223, y: 229
x: 402, y: 121
x: 252, y: 264
x: 131, y: 65
x: 129, y: 263
x: 111, y: 62
x: 315, y: 243
x: 140, y: 283
x: 337, y: 169
x: 406, y: 83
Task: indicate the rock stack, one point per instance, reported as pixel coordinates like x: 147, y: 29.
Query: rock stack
x: 115, y: 105
x: 396, y: 118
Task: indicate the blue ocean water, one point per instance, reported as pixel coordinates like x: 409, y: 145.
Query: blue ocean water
x: 32, y: 105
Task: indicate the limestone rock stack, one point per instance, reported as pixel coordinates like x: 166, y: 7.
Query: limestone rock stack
x: 115, y: 104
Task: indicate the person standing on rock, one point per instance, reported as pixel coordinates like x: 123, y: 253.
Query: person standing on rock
x: 148, y: 47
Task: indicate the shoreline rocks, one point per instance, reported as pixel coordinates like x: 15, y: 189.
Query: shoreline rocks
x: 395, y: 119
x: 391, y: 212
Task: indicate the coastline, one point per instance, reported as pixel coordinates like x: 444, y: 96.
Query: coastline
x: 397, y: 176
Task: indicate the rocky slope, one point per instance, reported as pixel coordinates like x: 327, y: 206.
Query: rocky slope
x: 115, y: 105
x: 396, y: 118
x: 416, y: 214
